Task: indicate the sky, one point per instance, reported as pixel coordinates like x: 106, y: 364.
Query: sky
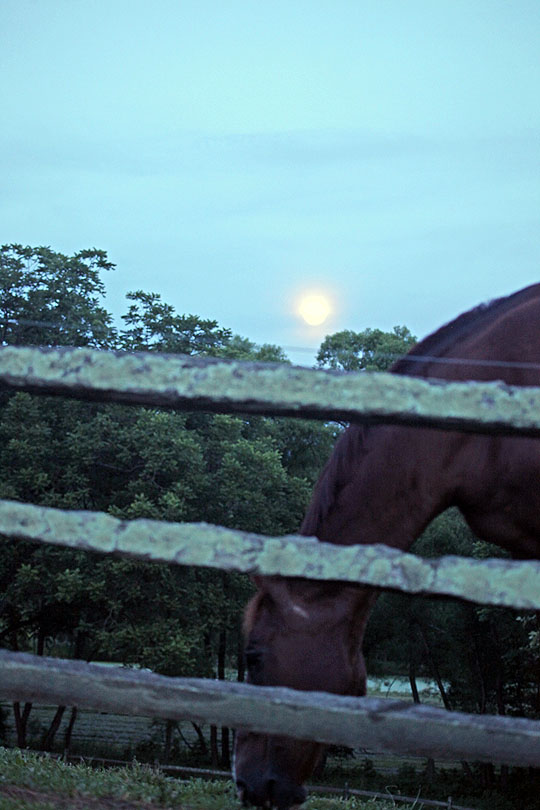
x: 232, y: 155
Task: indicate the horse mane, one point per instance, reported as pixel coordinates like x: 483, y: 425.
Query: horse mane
x: 334, y: 476
x: 350, y: 445
x: 452, y: 333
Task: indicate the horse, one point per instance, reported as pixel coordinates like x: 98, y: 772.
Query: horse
x: 385, y: 484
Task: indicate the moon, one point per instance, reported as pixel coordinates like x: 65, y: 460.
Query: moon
x: 314, y: 308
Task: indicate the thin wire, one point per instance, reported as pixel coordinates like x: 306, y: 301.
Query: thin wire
x: 422, y: 358
x: 460, y: 361
x: 415, y: 358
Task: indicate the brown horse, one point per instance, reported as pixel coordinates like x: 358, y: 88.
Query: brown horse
x: 384, y: 484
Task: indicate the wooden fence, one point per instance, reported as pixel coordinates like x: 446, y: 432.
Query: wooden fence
x: 228, y: 386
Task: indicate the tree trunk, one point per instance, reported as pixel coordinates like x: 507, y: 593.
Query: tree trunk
x: 499, y: 691
x: 225, y: 749
x: 434, y: 668
x: 50, y: 734
x: 435, y: 673
x: 21, y: 722
x: 430, y: 771
x: 240, y: 660
x: 499, y: 678
x: 467, y: 770
x: 412, y: 678
x: 186, y: 742
x: 487, y: 775
x: 319, y: 767
x: 21, y: 718
x: 430, y: 764
x: 41, y: 640
x: 222, y: 653
x: 169, y: 728
x: 214, y: 751
x: 482, y: 698
x: 200, y: 736
x: 222, y: 650
x: 69, y: 730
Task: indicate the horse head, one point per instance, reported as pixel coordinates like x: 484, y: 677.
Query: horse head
x: 304, y: 635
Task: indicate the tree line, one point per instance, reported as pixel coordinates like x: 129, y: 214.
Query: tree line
x: 252, y: 473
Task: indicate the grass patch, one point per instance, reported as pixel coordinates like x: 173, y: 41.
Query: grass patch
x: 31, y: 782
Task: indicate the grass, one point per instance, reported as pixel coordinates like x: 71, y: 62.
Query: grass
x: 31, y: 782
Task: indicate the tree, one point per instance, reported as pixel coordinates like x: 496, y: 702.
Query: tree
x: 239, y: 348
x: 153, y: 325
x: 370, y: 350
x: 50, y: 299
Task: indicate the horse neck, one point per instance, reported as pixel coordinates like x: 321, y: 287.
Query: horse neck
x: 382, y: 485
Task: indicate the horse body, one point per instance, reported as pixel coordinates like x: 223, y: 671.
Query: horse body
x: 386, y: 484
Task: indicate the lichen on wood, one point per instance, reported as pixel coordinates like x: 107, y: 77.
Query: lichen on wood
x: 229, y: 386
x: 494, y: 581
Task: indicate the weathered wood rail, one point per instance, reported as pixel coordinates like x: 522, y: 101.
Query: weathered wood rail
x: 383, y: 725
x: 491, y: 582
x: 227, y: 386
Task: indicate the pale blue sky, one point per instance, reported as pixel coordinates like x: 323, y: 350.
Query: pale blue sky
x: 229, y: 154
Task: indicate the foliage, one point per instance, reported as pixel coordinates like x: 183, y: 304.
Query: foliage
x: 47, y: 298
x: 154, y: 326
x: 370, y: 350
x: 239, y: 348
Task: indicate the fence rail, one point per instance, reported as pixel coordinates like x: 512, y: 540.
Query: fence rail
x: 387, y: 726
x: 491, y: 582
x: 208, y: 384
x: 194, y: 383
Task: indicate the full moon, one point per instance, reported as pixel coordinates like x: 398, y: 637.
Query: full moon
x: 314, y: 308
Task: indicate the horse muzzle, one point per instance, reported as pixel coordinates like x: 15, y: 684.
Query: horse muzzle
x: 270, y: 793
